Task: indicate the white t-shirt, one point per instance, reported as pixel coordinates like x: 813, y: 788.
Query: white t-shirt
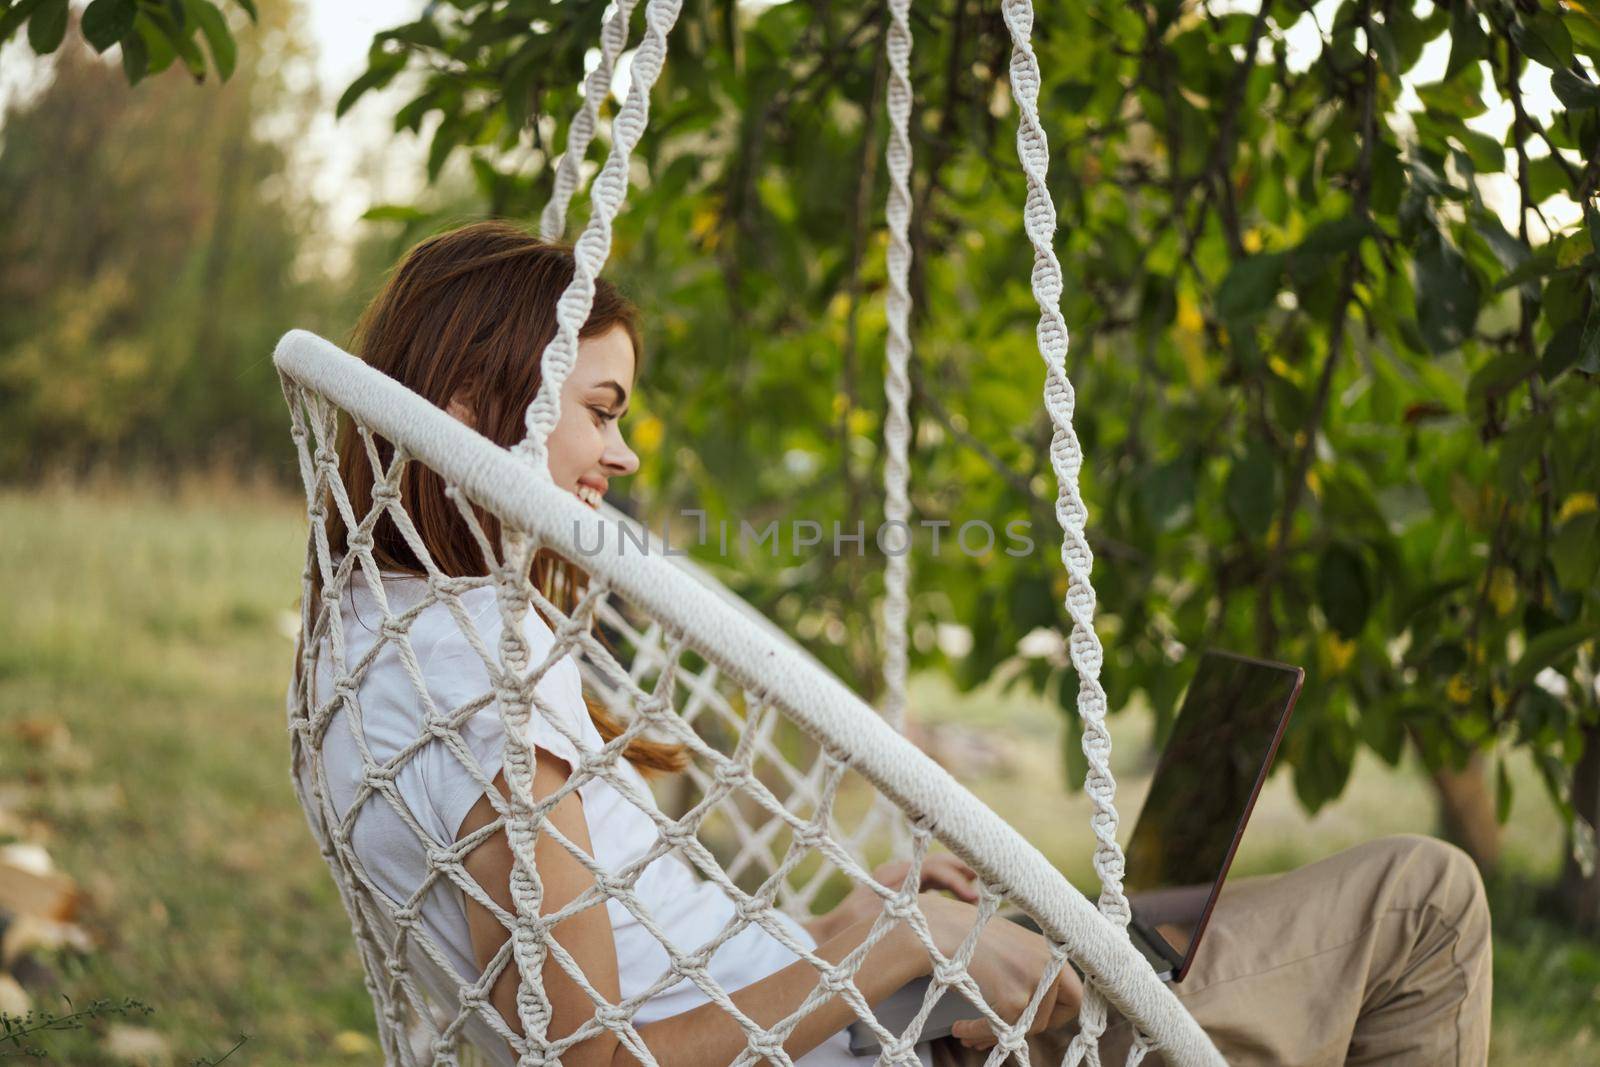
x: 437, y: 791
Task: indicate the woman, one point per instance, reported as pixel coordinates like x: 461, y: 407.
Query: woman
x: 461, y: 323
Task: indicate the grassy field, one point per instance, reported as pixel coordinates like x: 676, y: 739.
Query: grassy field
x: 142, y: 662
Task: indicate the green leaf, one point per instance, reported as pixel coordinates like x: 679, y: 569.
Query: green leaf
x: 1381, y: 728
x: 1509, y: 251
x: 1447, y: 294
x: 1323, y: 760
x: 1468, y: 42
x: 15, y: 16
x: 1344, y: 589
x: 1383, y: 46
x: 394, y: 213
x: 1563, y: 351
x: 1499, y: 374
x: 1543, y: 38
x: 1547, y: 178
x: 1541, y: 263
x: 1487, y: 154
x: 1251, y: 491
x: 1575, y: 553
x: 223, y: 50
x: 1460, y: 95
x: 105, y: 22
x: 1549, y: 649
x: 1166, y: 495
x: 1578, y: 94
x: 446, y: 139
x: 1251, y: 286
x: 1585, y: 36
x: 157, y: 42
x: 135, y: 58
x: 381, y: 69
x: 249, y: 8
x: 1336, y: 237
x: 1589, y: 343
x: 48, y: 26
x: 422, y: 33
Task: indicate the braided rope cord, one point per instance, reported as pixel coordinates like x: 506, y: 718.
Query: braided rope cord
x: 897, y: 387
x: 613, y: 37
x: 1066, y: 457
x: 609, y: 190
x: 606, y: 195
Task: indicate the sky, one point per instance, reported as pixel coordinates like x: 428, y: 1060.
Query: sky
x: 341, y: 31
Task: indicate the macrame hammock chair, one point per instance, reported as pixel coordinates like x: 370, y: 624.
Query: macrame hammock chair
x: 782, y: 752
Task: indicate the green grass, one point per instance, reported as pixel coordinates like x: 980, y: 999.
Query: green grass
x: 151, y: 624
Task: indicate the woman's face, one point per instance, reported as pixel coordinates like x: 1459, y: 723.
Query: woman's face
x: 586, y: 446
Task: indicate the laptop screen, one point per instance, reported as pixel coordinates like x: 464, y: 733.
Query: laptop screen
x: 1205, y: 784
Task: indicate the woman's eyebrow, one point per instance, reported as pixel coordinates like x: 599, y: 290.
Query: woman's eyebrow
x: 622, y: 396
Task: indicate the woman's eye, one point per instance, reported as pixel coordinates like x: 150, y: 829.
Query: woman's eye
x: 602, y: 414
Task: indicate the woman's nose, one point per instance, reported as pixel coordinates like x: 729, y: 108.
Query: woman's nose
x: 621, y: 459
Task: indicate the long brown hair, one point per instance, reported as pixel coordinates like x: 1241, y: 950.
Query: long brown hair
x: 465, y: 315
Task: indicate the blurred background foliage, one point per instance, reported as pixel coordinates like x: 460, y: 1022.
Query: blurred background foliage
x: 1333, y: 278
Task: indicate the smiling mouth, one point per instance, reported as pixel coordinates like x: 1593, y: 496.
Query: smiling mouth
x: 589, y: 495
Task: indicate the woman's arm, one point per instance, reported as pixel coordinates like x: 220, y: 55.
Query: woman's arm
x: 1006, y: 965
x: 701, y: 1036
x: 708, y: 1035
x: 586, y: 936
x: 939, y: 871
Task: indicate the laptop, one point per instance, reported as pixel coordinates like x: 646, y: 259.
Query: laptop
x: 1205, y: 785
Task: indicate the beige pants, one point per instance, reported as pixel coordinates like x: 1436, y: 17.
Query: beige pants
x: 1378, y: 955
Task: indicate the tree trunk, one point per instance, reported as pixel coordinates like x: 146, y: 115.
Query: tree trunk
x: 1580, y: 893
x: 1466, y: 811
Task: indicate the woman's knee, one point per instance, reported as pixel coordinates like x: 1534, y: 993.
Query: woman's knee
x: 1428, y: 871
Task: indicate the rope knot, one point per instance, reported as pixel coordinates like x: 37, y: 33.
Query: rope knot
x: 612, y: 1016
x: 384, y: 493
x: 949, y: 973
x: 732, y: 774
x: 768, y: 1046
x: 835, y: 980
x: 901, y: 907
x: 752, y: 908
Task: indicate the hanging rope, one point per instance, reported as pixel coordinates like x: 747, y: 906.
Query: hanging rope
x: 896, y: 426
x: 610, y: 189
x: 1066, y: 457
x: 613, y: 37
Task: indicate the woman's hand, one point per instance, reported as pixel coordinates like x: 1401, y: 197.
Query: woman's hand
x: 1007, y: 964
x: 941, y: 872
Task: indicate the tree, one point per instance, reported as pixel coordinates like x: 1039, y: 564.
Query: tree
x: 149, y: 258
x: 1338, y: 394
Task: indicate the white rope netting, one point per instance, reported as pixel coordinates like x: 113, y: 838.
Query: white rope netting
x: 789, y: 772
x: 767, y: 688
